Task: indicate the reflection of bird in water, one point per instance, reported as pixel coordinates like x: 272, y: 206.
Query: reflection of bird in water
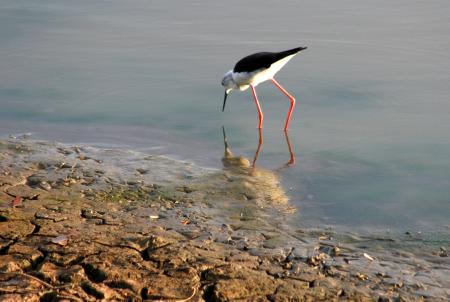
x: 242, y: 192
x: 252, y: 182
x: 258, y: 68
x: 239, y: 161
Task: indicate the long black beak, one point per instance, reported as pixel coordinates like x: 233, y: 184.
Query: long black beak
x: 224, y: 100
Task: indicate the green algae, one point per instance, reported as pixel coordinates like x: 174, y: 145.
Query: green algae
x: 119, y: 194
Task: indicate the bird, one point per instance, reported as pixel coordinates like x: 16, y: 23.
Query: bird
x: 255, y: 69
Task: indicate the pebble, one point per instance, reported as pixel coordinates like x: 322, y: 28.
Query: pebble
x: 443, y: 252
x: 64, y: 165
x: 362, y: 276
x: 45, y: 185
x: 61, y: 240
x: 368, y: 256
x: 142, y: 171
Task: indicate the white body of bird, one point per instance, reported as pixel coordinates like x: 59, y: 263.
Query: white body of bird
x: 244, y: 79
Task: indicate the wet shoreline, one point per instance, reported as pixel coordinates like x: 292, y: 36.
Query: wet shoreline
x: 82, y: 223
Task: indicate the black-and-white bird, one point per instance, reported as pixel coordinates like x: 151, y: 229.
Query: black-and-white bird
x: 255, y: 69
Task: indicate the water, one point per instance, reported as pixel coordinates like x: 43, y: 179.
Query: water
x: 371, y: 130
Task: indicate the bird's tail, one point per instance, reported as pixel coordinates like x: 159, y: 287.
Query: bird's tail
x: 289, y: 52
x: 294, y: 50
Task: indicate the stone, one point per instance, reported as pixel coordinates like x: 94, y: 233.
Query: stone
x: 15, y: 229
x: 24, y: 191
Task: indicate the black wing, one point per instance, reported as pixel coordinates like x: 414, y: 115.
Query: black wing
x: 263, y: 60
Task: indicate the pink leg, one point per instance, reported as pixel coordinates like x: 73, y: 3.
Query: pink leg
x: 260, y: 114
x: 260, y: 142
x: 291, y: 99
x: 291, y: 161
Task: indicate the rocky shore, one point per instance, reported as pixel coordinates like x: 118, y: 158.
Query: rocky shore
x: 84, y: 224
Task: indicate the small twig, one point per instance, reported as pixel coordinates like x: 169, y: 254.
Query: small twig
x: 67, y: 296
x: 70, y: 297
x: 181, y: 300
x: 17, y: 291
x: 36, y: 279
x: 190, y: 297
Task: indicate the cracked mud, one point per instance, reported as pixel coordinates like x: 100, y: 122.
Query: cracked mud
x: 80, y: 224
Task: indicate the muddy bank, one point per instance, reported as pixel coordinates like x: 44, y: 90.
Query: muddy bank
x: 84, y: 224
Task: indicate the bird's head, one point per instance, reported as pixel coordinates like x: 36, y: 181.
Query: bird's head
x: 229, y: 84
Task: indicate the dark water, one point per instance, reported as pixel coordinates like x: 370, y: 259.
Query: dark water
x: 371, y: 129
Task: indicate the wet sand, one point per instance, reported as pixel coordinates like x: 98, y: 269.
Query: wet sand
x: 79, y: 223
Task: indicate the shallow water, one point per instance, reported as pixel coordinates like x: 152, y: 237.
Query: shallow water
x: 370, y: 132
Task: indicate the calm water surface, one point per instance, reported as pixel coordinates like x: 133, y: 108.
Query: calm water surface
x: 371, y: 130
